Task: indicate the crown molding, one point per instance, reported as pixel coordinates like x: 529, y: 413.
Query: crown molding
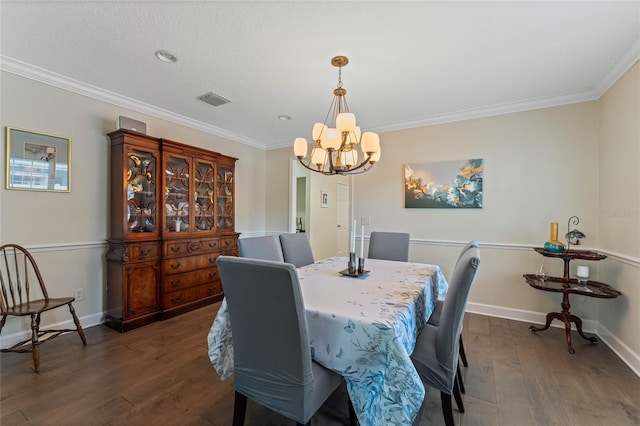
x: 617, y: 70
x: 631, y: 56
x: 42, y: 75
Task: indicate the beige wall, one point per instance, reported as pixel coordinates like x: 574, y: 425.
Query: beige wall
x: 67, y: 231
x: 540, y: 166
x: 619, y: 212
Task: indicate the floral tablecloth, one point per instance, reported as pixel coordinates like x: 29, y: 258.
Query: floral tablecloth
x: 363, y: 328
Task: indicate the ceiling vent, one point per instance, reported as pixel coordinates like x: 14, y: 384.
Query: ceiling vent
x: 213, y: 99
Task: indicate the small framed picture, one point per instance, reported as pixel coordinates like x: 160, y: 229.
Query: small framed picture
x: 37, y: 161
x: 324, y: 199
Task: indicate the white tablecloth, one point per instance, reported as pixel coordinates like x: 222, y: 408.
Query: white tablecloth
x: 363, y: 328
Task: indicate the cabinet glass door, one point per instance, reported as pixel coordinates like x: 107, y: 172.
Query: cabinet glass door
x: 177, y: 194
x: 224, y: 199
x: 141, y: 191
x: 205, y: 174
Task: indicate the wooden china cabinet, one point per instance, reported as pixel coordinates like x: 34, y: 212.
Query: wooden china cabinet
x: 172, y: 215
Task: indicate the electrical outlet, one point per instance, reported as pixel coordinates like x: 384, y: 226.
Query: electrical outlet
x: 365, y: 220
x: 79, y: 295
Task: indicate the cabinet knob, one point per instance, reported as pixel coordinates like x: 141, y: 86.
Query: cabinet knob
x: 176, y: 265
x: 176, y: 283
x: 195, y: 246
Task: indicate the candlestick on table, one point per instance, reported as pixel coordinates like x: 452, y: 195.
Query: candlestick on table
x: 362, y: 243
x: 352, y: 249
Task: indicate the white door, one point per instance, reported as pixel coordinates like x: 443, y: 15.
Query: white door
x: 342, y: 218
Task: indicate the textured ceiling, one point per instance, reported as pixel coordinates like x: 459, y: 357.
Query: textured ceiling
x: 411, y: 63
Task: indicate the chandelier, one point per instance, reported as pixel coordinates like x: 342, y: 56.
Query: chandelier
x: 339, y: 143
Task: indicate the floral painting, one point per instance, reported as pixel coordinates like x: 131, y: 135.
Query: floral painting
x: 445, y: 184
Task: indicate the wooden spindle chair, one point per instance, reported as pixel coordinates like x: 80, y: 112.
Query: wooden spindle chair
x: 19, y: 277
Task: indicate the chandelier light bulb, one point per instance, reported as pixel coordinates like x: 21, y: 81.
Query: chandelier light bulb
x: 330, y: 139
x: 370, y: 142
x: 300, y: 147
x: 318, y: 130
x: 346, y: 122
x: 317, y: 157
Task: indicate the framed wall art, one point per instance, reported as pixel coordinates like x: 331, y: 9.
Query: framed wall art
x: 38, y: 161
x: 445, y: 184
x: 324, y: 199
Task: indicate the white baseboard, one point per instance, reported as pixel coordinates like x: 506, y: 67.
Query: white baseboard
x: 626, y: 354
x: 86, y: 322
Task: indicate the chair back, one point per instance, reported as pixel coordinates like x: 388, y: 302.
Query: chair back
x: 469, y: 245
x: 450, y: 326
x: 20, y: 279
x: 296, y: 249
x: 272, y: 355
x: 389, y: 246
x: 265, y: 248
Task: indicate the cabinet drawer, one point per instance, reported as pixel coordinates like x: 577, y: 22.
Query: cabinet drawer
x: 186, y: 264
x: 210, y: 289
x: 183, y: 248
x: 228, y: 243
x: 177, y: 298
x: 190, y: 279
x: 143, y: 251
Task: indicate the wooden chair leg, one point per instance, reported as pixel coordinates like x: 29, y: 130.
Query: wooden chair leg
x: 4, y: 319
x: 78, y: 326
x: 447, y: 411
x: 239, y: 409
x: 459, y: 378
x: 35, y: 344
x: 463, y: 356
x: 457, y: 396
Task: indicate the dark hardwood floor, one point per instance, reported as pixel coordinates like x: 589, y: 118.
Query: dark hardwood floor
x: 160, y: 374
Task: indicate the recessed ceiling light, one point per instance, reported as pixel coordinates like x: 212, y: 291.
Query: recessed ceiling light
x: 284, y: 117
x: 165, y: 56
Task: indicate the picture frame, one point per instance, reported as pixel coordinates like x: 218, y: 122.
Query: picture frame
x: 324, y: 199
x: 37, y: 161
x: 457, y: 184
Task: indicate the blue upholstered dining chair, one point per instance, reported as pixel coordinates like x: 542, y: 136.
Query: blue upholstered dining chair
x: 272, y: 355
x: 434, y: 319
x: 296, y: 249
x: 436, y: 353
x: 265, y: 248
x: 389, y: 246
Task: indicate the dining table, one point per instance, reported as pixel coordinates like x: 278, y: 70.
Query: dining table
x: 363, y: 328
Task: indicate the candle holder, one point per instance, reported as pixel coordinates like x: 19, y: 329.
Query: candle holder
x: 360, y: 265
x: 582, y: 275
x: 352, y: 263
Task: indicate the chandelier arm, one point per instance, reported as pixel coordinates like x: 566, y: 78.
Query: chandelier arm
x: 306, y: 166
x: 363, y: 164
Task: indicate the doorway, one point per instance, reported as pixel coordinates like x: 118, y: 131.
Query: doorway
x: 342, y: 218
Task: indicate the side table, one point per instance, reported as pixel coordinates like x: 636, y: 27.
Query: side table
x: 567, y: 286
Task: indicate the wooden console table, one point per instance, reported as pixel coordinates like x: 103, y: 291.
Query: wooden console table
x: 566, y: 286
